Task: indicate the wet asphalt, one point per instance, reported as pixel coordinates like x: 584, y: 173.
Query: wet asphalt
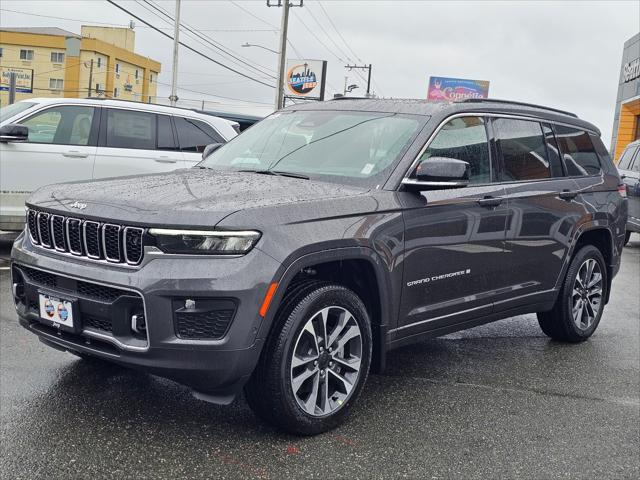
x: 498, y: 401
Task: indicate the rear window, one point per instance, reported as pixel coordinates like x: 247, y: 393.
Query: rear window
x: 194, y: 135
x: 626, y: 158
x: 131, y: 129
x: 578, y: 153
x: 523, y: 148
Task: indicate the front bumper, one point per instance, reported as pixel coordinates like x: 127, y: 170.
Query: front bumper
x: 217, y: 368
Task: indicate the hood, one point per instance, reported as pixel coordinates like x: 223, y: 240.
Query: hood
x: 191, y: 197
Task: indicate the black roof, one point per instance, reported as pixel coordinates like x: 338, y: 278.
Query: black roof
x: 440, y: 110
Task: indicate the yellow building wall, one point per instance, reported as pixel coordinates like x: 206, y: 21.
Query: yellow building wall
x: 627, y: 126
x: 75, y: 71
x: 120, y: 37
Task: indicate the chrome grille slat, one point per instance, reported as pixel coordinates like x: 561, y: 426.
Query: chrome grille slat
x: 86, y: 238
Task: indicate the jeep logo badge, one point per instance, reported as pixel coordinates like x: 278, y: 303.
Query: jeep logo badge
x: 78, y: 205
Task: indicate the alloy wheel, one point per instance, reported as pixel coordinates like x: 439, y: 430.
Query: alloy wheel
x: 586, y: 298
x: 326, y: 361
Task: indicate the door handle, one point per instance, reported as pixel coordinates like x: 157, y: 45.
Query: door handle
x: 568, y: 194
x: 165, y: 160
x: 75, y: 154
x: 490, y: 201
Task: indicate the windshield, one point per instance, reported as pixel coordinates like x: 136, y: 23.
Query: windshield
x: 14, y: 109
x: 358, y: 148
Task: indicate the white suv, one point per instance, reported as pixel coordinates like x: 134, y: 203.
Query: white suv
x: 74, y: 139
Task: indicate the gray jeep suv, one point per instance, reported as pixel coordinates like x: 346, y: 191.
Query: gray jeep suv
x: 295, y: 257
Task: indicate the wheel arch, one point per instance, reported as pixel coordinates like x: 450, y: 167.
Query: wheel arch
x: 358, y: 268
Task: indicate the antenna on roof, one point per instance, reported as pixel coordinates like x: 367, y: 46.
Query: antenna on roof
x: 132, y: 24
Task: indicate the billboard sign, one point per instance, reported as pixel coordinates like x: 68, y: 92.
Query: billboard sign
x: 24, y: 79
x: 444, y: 89
x: 305, y: 79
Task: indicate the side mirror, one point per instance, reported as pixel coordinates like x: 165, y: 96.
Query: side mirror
x: 439, y: 172
x: 209, y: 149
x: 14, y: 133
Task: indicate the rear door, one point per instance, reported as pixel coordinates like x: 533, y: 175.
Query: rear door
x: 61, y: 148
x: 454, y: 238
x: 193, y: 136
x: 542, y: 208
x: 134, y: 142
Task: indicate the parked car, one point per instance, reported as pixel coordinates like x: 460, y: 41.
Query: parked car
x: 629, y: 168
x: 296, y: 256
x: 47, y: 140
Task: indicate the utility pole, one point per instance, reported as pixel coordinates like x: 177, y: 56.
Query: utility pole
x: 90, y: 78
x: 12, y: 87
x: 282, y: 53
x: 363, y: 67
x: 176, y: 45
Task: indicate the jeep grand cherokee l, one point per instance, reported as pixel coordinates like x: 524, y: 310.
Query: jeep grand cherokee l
x: 293, y: 258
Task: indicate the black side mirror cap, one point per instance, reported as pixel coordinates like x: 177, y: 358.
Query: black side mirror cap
x: 14, y: 132
x: 437, y: 173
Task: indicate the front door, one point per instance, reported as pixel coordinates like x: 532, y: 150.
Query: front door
x: 61, y: 148
x: 453, y: 238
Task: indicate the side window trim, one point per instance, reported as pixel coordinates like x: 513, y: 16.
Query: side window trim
x: 175, y: 148
x: 555, y: 144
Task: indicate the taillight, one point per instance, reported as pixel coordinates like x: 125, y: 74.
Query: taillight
x: 622, y: 190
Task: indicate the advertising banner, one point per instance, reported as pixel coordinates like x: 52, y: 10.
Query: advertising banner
x: 24, y: 79
x: 305, y: 79
x: 444, y: 89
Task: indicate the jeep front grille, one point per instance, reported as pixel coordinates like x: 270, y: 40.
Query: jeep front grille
x: 86, y: 238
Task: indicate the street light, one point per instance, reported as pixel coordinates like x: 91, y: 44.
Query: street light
x: 247, y: 44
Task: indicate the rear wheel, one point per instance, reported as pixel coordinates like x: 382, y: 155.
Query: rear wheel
x: 580, y: 304
x: 315, y: 363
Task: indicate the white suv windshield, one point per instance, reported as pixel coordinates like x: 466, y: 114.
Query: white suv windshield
x: 359, y: 148
x: 14, y: 109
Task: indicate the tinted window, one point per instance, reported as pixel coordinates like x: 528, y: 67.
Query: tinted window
x: 523, y: 149
x: 64, y: 125
x: 465, y: 139
x: 165, y: 133
x: 577, y: 150
x: 129, y: 129
x: 194, y: 135
x: 626, y: 158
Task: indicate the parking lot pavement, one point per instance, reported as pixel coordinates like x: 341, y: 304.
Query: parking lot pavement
x: 499, y: 401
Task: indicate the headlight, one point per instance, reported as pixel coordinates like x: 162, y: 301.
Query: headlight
x: 213, y: 242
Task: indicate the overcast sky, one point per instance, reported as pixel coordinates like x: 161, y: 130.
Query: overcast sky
x: 562, y: 54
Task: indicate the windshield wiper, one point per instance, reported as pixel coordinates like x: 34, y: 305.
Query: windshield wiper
x: 279, y: 173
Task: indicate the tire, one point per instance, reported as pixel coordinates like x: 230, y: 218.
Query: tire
x: 627, y: 237
x: 270, y: 391
x: 560, y: 323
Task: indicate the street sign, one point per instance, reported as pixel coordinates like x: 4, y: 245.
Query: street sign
x: 305, y: 79
x: 24, y: 79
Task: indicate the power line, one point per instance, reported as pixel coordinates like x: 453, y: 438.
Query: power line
x: 141, y: 26
x: 316, y: 37
x: 217, y: 45
x: 340, y: 50
x: 338, y: 31
x: 188, y: 47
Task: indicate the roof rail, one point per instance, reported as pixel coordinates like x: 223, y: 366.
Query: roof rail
x: 511, y: 102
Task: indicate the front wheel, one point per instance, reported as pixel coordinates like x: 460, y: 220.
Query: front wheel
x: 580, y: 304
x: 316, y: 361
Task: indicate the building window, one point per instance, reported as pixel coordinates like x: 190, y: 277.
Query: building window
x: 115, y: 92
x: 151, y: 78
x: 55, y: 84
x: 57, y: 57
x: 136, y: 74
x: 26, y: 55
x: 0, y: 52
x: 99, y: 62
x: 117, y: 69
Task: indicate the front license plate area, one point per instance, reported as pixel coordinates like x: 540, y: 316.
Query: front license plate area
x: 57, y: 311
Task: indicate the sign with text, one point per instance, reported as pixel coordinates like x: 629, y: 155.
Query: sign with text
x: 24, y: 79
x: 444, y: 89
x: 305, y: 79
